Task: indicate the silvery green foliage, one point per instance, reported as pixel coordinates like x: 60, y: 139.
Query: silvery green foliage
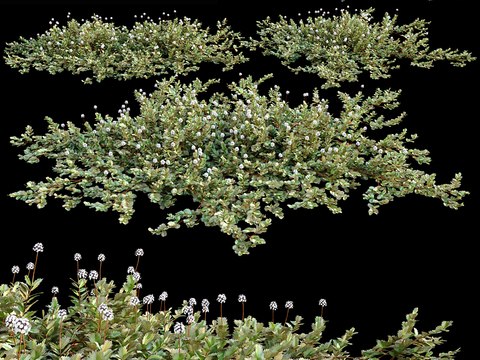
x: 240, y: 156
x: 147, y: 50
x: 124, y: 332
x: 341, y: 47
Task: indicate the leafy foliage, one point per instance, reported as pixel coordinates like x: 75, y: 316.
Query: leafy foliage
x: 83, y: 333
x: 147, y: 50
x: 242, y: 156
x: 342, y: 47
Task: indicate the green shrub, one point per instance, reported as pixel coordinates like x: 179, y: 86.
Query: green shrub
x: 102, y: 324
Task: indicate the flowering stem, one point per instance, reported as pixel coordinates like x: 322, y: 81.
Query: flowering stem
x: 286, y: 317
x: 99, y: 321
x: 35, y: 267
x: 100, y: 271
x: 178, y: 343
x: 106, y: 328
x: 242, y: 310
x: 221, y: 317
x: 272, y: 317
x: 60, y: 337
x: 138, y: 259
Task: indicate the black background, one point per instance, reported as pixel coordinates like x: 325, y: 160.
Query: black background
x: 372, y: 270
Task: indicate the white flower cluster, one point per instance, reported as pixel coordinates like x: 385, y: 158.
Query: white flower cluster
x: 21, y: 325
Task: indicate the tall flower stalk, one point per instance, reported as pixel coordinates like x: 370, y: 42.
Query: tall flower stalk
x: 288, y: 305
x: 101, y: 258
x: 273, y: 307
x: 62, y: 314
x: 221, y: 299
x: 242, y: 299
x: 205, y: 304
x: 322, y: 303
x: 179, y: 328
x: 138, y: 253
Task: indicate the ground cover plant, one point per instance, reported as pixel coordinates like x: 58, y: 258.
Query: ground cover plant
x: 241, y: 157
x: 103, y: 323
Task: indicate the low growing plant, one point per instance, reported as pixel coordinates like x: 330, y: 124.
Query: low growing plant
x: 103, y: 324
x: 239, y: 157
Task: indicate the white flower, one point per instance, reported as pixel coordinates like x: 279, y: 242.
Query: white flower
x: 322, y: 302
x: 62, y: 314
x: 273, y: 305
x: 289, y: 304
x: 139, y: 252
x: 134, y: 301
x: 179, y: 328
x: 148, y: 299
x: 242, y: 298
x: 106, y: 172
x: 22, y: 325
x: 221, y: 298
x: 15, y: 269
x: 93, y: 275
x: 38, y: 247
x: 108, y: 315
x: 77, y: 257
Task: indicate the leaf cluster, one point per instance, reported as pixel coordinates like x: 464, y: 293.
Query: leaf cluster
x: 109, y: 51
x: 82, y: 334
x: 342, y: 47
x: 239, y: 157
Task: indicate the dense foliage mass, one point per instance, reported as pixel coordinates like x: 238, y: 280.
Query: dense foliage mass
x: 105, y: 325
x: 239, y: 157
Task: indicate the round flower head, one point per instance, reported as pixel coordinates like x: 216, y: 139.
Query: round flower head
x: 148, y: 299
x: 30, y: 266
x: 15, y: 269
x: 93, y: 275
x: 221, y: 298
x: 179, y: 328
x: 322, y: 302
x: 38, y: 247
x: 188, y: 310
x: 242, y: 298
x: 10, y: 321
x: 192, y: 302
x: 77, y: 257
x: 139, y: 252
x: 190, y: 319
x: 102, y: 308
x: 273, y: 305
x: 54, y: 290
x: 163, y: 296
x: 82, y: 273
x: 62, y: 314
x: 289, y: 304
x: 134, y: 301
x: 108, y: 315
x: 101, y: 257
x: 22, y: 325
